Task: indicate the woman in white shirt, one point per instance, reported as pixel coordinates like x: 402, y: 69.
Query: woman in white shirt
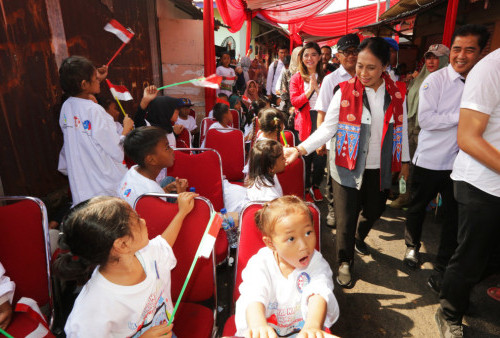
x: 367, y: 116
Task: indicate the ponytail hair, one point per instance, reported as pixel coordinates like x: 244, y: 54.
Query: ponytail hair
x: 279, y: 208
x: 89, y: 232
x: 263, y: 157
x: 271, y: 120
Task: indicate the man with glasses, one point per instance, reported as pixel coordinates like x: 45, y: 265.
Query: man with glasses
x: 347, y: 54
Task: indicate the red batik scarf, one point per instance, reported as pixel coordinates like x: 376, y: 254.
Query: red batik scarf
x: 349, y: 127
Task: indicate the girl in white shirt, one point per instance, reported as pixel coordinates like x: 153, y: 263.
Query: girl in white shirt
x: 128, y: 294
x: 266, y: 160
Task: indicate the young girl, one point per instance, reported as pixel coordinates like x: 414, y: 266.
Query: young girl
x: 271, y: 123
x: 266, y: 160
x: 287, y: 286
x: 227, y: 73
x: 128, y: 294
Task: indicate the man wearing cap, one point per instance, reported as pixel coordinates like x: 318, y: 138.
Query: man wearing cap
x: 394, y: 47
x: 347, y: 54
x: 438, y: 113
x: 326, y: 55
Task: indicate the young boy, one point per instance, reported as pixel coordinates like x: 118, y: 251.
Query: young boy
x: 184, y: 118
x: 223, y: 116
x: 148, y: 147
x: 91, y: 155
x: 287, y: 286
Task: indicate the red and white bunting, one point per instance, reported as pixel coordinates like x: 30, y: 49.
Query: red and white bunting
x: 124, y: 34
x: 119, y: 92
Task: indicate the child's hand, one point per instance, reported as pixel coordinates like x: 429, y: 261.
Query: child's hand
x: 312, y: 333
x: 261, y: 332
x: 162, y: 330
x: 178, y: 128
x: 5, y: 315
x: 150, y: 93
x: 128, y: 125
x: 181, y: 184
x: 186, y: 202
x: 102, y: 73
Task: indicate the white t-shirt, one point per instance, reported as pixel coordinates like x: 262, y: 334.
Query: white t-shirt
x: 314, y: 97
x: 259, y: 192
x: 134, y: 185
x: 94, y: 157
x: 7, y: 287
x: 226, y: 86
x: 189, y: 123
x: 285, y: 299
x: 481, y: 94
x: 273, y: 75
x: 105, y: 309
x: 438, y: 113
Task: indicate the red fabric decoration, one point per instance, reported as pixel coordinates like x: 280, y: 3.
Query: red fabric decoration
x: 294, y: 11
x: 449, y: 24
x: 233, y: 13
x: 249, y: 31
x: 209, y: 44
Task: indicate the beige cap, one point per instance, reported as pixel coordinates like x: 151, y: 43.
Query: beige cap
x: 438, y: 50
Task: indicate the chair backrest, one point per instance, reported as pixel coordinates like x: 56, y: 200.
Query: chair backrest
x: 184, y: 139
x: 236, y: 118
x: 158, y: 214
x: 290, y: 138
x: 292, y: 180
x: 230, y: 145
x: 203, y: 171
x: 205, y: 125
x: 250, y: 241
x: 25, y: 248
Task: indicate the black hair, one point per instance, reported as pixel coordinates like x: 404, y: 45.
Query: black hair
x: 326, y: 46
x: 105, y: 102
x: 220, y: 109
x: 271, y: 120
x: 89, y: 232
x: 263, y: 157
x: 477, y: 30
x: 72, y: 72
x: 378, y: 47
x: 222, y: 95
x: 141, y: 142
x: 257, y: 107
x: 282, y: 47
x: 286, y: 60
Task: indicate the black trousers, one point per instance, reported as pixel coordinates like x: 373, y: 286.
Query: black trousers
x: 478, y: 248
x: 426, y: 184
x: 314, y: 163
x: 348, y: 204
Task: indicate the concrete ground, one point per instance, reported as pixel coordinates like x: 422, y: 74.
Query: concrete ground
x: 389, y: 299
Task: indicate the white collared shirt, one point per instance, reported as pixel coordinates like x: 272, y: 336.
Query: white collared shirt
x: 438, y: 112
x: 376, y: 118
x: 326, y: 91
x: 481, y: 94
x: 273, y: 79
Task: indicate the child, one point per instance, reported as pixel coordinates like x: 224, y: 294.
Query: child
x: 266, y: 160
x: 149, y: 148
x: 91, y: 155
x: 184, y: 118
x: 271, y: 123
x: 223, y: 116
x: 287, y: 286
x: 221, y: 98
x: 112, y: 109
x: 227, y: 73
x: 129, y: 292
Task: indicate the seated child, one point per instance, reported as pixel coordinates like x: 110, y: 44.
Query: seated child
x: 128, y: 294
x: 223, y: 116
x: 149, y: 148
x: 287, y: 286
x: 91, y: 156
x: 184, y: 118
x: 7, y: 288
x: 221, y: 98
x: 266, y: 160
x: 111, y: 108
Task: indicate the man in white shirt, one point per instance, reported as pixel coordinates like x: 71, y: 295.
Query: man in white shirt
x: 274, y: 73
x: 476, y: 176
x: 438, y: 113
x: 347, y: 54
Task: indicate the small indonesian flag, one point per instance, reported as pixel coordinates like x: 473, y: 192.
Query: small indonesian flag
x: 30, y: 307
x: 119, y: 92
x: 213, y: 81
x: 124, y: 34
x: 246, y: 99
x: 208, y: 240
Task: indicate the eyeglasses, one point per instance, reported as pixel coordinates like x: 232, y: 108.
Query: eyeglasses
x: 349, y: 52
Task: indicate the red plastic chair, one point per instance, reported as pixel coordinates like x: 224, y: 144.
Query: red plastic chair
x: 250, y: 243
x: 192, y: 113
x: 236, y: 118
x: 191, y: 316
x: 205, y: 125
x: 203, y: 172
x: 290, y: 179
x: 24, y: 242
x: 183, y: 140
x: 230, y: 144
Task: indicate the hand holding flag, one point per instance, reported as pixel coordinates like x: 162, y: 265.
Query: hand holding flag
x: 119, y: 93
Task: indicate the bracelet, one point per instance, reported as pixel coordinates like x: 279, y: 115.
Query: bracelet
x: 298, y: 150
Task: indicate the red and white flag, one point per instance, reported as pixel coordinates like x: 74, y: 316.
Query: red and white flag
x: 208, y: 240
x: 213, y: 81
x: 119, y: 92
x: 246, y: 99
x: 124, y: 34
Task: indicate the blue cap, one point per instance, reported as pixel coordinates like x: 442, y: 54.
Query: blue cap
x: 392, y: 43
x: 184, y: 102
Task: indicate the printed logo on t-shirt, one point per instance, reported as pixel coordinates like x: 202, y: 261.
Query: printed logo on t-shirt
x: 77, y: 121
x: 302, y: 281
x: 127, y: 192
x: 425, y: 86
x: 87, y: 127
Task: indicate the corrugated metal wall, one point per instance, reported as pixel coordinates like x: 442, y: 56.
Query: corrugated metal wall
x: 30, y: 44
